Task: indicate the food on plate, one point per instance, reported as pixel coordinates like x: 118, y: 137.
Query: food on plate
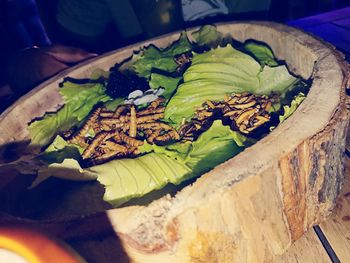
x: 245, y: 112
x: 119, y: 133
x: 166, y: 115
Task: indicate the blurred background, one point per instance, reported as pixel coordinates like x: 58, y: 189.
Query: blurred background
x: 40, y: 38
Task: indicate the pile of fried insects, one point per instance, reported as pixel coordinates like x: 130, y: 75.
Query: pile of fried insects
x: 108, y: 135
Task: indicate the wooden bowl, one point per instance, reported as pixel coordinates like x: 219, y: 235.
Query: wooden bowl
x: 255, y: 205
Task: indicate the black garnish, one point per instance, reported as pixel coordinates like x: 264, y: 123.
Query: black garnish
x: 120, y: 84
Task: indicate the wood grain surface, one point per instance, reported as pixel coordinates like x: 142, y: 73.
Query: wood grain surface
x: 307, y: 249
x: 337, y: 227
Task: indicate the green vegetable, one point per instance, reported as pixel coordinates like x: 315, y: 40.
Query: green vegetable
x: 129, y: 178
x: 61, y: 160
x: 113, y: 104
x: 152, y: 58
x: 68, y: 169
x: 198, y: 155
x: 58, y: 144
x: 289, y: 110
x: 78, y: 102
x: 261, y: 52
x: 59, y: 150
x: 276, y: 79
x: 123, y: 178
x: 161, y: 81
x: 215, y: 146
x: 221, y: 71
x: 208, y: 36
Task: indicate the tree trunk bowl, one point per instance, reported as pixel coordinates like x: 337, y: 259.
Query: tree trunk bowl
x: 253, y: 206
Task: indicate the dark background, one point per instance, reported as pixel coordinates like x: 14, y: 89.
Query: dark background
x: 148, y: 13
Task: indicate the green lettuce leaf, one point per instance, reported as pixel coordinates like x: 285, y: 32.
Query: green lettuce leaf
x: 219, y: 139
x: 288, y: 110
x: 261, y: 52
x: 152, y: 58
x: 275, y: 79
x: 178, y: 151
x: 68, y: 169
x: 79, y: 100
x: 123, y: 178
x: 59, y: 150
x: 168, y: 83
x: 61, y: 160
x: 113, y: 104
x: 209, y: 36
x: 129, y: 178
x: 221, y: 71
x: 216, y: 145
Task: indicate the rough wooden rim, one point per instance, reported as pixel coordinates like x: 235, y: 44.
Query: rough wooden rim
x: 326, y: 102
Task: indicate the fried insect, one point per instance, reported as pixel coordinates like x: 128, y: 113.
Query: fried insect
x: 202, y: 115
x: 130, y: 140
x: 102, y: 158
x: 110, y: 146
x: 150, y: 118
x: 132, y: 128
x: 245, y: 116
x: 171, y: 135
x: 113, y: 114
x: 79, y: 137
x: 154, y: 104
x: 183, y: 58
x: 95, y: 142
x: 150, y: 111
x: 119, y: 110
x: 183, y: 61
x: 152, y: 135
x: 246, y: 111
x: 244, y: 105
x: 112, y: 124
x: 155, y: 126
x: 119, y: 133
x: 191, y: 130
x: 118, y: 122
x: 69, y: 133
x: 106, y: 114
x: 230, y: 113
